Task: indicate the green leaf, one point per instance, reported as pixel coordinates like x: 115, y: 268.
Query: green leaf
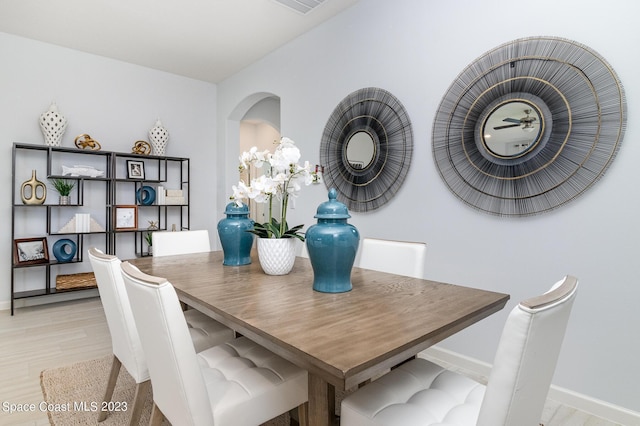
x: 272, y: 230
x: 259, y: 230
x: 63, y: 186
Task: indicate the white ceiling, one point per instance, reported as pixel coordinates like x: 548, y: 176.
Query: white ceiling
x: 207, y: 40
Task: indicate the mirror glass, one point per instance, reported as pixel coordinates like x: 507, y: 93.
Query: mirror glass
x: 512, y: 129
x: 360, y: 150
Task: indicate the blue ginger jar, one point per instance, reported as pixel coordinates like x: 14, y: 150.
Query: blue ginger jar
x: 332, y: 244
x: 236, y: 241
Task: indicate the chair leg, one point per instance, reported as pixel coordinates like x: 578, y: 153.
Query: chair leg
x: 303, y: 414
x: 331, y: 401
x: 142, y: 390
x: 111, y: 385
x: 156, y: 416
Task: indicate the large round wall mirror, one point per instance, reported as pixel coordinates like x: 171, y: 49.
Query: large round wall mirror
x: 529, y: 126
x: 366, y: 148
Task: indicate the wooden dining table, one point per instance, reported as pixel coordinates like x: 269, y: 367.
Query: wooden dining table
x: 341, y: 339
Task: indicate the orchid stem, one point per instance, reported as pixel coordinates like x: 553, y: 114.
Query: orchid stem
x: 270, y: 209
x: 285, y: 200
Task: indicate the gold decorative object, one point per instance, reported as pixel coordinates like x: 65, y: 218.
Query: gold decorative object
x: 141, y: 147
x: 34, y: 184
x: 153, y: 225
x: 85, y: 141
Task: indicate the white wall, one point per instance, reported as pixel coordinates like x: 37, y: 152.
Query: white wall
x: 415, y: 49
x: 116, y: 103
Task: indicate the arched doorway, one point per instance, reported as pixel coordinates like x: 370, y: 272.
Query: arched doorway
x: 259, y: 126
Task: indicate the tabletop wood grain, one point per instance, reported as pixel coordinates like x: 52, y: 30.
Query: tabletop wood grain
x: 341, y: 338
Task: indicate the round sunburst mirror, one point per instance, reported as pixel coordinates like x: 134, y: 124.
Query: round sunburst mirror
x: 366, y: 148
x: 529, y: 126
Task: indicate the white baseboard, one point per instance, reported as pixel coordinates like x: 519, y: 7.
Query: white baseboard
x: 480, y: 370
x: 52, y: 298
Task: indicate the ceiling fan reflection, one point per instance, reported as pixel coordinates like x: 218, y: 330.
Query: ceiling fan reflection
x: 525, y: 122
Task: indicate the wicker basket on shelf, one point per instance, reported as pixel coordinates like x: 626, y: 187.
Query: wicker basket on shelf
x: 75, y: 281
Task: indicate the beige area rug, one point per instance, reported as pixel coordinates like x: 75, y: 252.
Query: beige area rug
x: 80, y: 387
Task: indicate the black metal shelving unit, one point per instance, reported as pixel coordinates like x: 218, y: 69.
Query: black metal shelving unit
x: 161, y: 171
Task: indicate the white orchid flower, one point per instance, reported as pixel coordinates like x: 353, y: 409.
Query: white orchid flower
x: 293, y: 187
x: 282, y: 180
x: 260, y: 158
x: 286, y: 154
x: 240, y: 192
x: 246, y: 158
x: 253, y: 156
x: 286, y: 141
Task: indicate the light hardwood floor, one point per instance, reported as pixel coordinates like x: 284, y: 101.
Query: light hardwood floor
x: 53, y: 335
x: 41, y: 337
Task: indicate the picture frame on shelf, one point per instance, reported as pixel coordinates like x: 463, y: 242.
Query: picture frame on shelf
x: 28, y: 251
x: 135, y: 169
x: 125, y: 217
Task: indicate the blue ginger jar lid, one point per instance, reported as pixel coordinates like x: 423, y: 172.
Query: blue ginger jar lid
x: 332, y: 209
x: 234, y: 209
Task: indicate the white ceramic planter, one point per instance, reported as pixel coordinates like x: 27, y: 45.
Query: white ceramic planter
x: 277, y: 255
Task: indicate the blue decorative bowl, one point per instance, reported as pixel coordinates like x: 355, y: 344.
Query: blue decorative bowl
x: 146, y: 195
x: 64, y: 250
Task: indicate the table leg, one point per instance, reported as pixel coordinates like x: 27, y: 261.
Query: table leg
x: 321, y: 402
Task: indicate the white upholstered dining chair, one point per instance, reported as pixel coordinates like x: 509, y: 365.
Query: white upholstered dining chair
x: 422, y: 393
x: 236, y: 383
x: 127, y: 350
x: 167, y: 243
x: 395, y: 257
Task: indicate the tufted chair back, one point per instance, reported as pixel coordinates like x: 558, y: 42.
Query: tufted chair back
x: 178, y: 386
x: 204, y: 332
x: 124, y: 335
x: 237, y: 383
x: 423, y: 393
x: 168, y: 243
x: 394, y: 257
x: 526, y: 357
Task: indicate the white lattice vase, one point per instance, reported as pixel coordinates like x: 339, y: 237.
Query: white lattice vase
x: 53, y: 124
x: 276, y: 255
x: 158, y: 136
